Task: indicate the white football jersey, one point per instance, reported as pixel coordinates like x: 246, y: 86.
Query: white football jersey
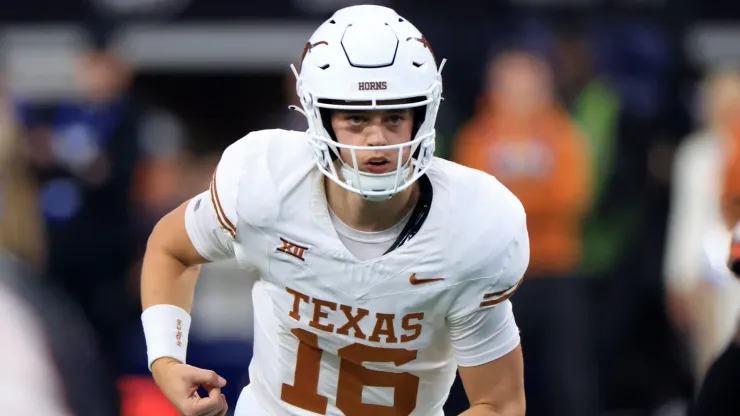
x: 338, y: 336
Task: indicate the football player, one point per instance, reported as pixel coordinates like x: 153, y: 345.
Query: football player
x: 384, y: 270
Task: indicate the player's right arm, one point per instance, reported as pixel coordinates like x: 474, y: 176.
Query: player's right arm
x: 170, y: 269
x: 199, y: 231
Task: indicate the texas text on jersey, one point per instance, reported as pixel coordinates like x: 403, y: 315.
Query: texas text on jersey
x: 337, y: 334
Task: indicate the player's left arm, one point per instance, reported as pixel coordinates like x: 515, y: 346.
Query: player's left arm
x: 497, y: 387
x: 485, y: 336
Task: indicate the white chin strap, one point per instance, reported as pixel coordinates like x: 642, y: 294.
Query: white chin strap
x: 374, y: 181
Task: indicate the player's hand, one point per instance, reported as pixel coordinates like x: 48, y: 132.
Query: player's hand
x: 180, y: 382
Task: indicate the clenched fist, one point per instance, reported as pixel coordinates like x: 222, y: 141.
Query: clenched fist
x: 180, y: 382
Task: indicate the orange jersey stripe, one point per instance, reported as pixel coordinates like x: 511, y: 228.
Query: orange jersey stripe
x: 505, y: 296
x: 220, y: 214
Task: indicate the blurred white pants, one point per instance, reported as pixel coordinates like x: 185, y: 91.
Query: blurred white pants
x: 718, y: 312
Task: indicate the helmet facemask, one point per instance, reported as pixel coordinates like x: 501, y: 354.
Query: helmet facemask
x: 419, y: 149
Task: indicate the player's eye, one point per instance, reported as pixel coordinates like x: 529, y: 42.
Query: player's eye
x: 355, y: 119
x: 395, y: 119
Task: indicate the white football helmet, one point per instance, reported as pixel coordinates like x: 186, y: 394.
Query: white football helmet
x: 369, y: 58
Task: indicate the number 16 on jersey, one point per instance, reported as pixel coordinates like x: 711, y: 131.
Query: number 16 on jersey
x: 353, y: 376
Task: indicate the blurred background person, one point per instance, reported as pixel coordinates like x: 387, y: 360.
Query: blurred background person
x: 107, y: 164
x: 702, y: 299
x: 717, y: 394
x: 595, y: 105
x: 522, y: 136
x: 50, y: 362
x: 84, y: 155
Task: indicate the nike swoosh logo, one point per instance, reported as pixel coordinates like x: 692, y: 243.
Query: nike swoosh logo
x: 416, y: 281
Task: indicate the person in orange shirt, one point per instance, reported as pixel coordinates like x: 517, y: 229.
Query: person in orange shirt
x: 731, y: 188
x: 523, y: 137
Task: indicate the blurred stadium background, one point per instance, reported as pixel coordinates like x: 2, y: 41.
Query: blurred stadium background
x: 612, y: 120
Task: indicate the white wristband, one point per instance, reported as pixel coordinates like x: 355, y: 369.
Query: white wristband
x: 166, y: 329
